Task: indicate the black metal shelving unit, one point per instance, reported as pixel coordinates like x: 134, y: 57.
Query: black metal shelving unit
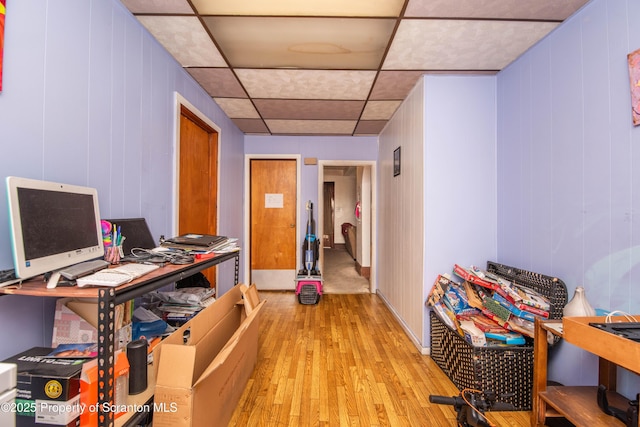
x: 109, y: 298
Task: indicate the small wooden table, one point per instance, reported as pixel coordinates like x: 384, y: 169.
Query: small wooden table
x: 579, y: 404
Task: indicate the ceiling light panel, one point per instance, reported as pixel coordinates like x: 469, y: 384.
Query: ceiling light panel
x: 177, y: 32
x: 503, y: 9
x: 462, y: 44
x: 318, y: 43
x: 300, y: 8
x: 307, y: 84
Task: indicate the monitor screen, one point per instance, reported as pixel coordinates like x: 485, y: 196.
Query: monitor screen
x: 52, y: 225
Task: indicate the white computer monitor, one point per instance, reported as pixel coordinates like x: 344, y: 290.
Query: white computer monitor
x: 52, y: 225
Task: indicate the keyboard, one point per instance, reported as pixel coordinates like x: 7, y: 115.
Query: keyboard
x: 82, y: 269
x: 116, y: 276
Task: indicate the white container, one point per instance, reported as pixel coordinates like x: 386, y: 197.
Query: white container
x: 8, y: 418
x: 579, y: 305
x: 8, y: 377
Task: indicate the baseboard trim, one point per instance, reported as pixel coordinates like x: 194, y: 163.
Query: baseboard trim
x: 363, y: 271
x: 425, y: 351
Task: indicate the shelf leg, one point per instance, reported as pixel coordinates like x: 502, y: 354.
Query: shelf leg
x: 237, y: 273
x: 106, y: 349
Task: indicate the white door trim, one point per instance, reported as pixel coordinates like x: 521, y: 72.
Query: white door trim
x: 179, y: 101
x: 373, y: 284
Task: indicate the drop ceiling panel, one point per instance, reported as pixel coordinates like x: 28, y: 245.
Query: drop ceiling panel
x: 502, y: 9
x: 218, y: 82
x: 329, y: 67
x: 237, y: 108
x: 252, y: 126
x: 380, y: 110
x: 462, y: 44
x: 307, y: 84
x: 185, y: 39
x: 158, y: 6
x: 300, y: 8
x: 312, y: 43
x: 394, y: 84
x: 309, y: 109
x: 370, y: 127
x: 320, y: 127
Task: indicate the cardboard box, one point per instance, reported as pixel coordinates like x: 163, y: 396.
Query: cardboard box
x: 76, y: 321
x: 48, y: 389
x: 202, y: 379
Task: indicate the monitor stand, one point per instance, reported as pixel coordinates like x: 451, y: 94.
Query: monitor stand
x: 53, y: 280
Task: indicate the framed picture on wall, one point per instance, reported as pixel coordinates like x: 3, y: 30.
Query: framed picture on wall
x: 634, y: 77
x: 396, y: 162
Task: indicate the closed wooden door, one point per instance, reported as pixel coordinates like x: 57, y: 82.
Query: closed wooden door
x: 198, y: 179
x: 273, y: 223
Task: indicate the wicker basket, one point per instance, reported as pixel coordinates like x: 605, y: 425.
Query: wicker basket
x: 507, y: 371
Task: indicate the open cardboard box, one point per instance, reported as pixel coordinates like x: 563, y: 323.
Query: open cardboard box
x: 204, y: 366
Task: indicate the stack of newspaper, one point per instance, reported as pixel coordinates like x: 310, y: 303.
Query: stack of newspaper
x: 182, y: 304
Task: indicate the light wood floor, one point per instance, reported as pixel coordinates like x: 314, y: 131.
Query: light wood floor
x: 343, y: 362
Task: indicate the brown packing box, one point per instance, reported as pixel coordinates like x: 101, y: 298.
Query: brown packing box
x: 202, y: 380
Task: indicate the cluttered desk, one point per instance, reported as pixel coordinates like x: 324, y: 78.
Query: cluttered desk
x: 61, y: 247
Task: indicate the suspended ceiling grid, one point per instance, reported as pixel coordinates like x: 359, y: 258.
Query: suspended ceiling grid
x: 336, y: 67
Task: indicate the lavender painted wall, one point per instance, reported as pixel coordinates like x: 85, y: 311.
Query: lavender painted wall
x: 568, y: 168
x: 88, y: 99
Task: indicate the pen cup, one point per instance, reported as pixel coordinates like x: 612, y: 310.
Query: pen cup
x: 112, y: 254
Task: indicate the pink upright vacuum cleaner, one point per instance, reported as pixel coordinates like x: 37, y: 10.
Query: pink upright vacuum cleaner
x: 309, y: 279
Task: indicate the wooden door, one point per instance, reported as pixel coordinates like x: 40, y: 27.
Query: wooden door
x: 273, y: 223
x: 198, y: 179
x: 328, y: 225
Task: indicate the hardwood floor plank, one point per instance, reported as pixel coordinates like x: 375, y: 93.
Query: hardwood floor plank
x: 343, y: 362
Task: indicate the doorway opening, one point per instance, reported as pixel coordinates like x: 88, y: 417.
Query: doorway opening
x: 346, y: 193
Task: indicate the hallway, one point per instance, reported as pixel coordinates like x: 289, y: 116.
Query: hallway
x: 339, y: 274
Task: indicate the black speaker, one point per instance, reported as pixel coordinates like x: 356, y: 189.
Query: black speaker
x: 137, y: 355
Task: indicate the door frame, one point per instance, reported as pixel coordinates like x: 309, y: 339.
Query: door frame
x: 247, y: 205
x: 373, y: 284
x: 179, y: 102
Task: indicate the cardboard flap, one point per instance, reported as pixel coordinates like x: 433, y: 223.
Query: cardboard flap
x: 173, y: 356
x: 251, y: 297
x: 210, y: 316
x: 87, y: 310
x: 222, y: 356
